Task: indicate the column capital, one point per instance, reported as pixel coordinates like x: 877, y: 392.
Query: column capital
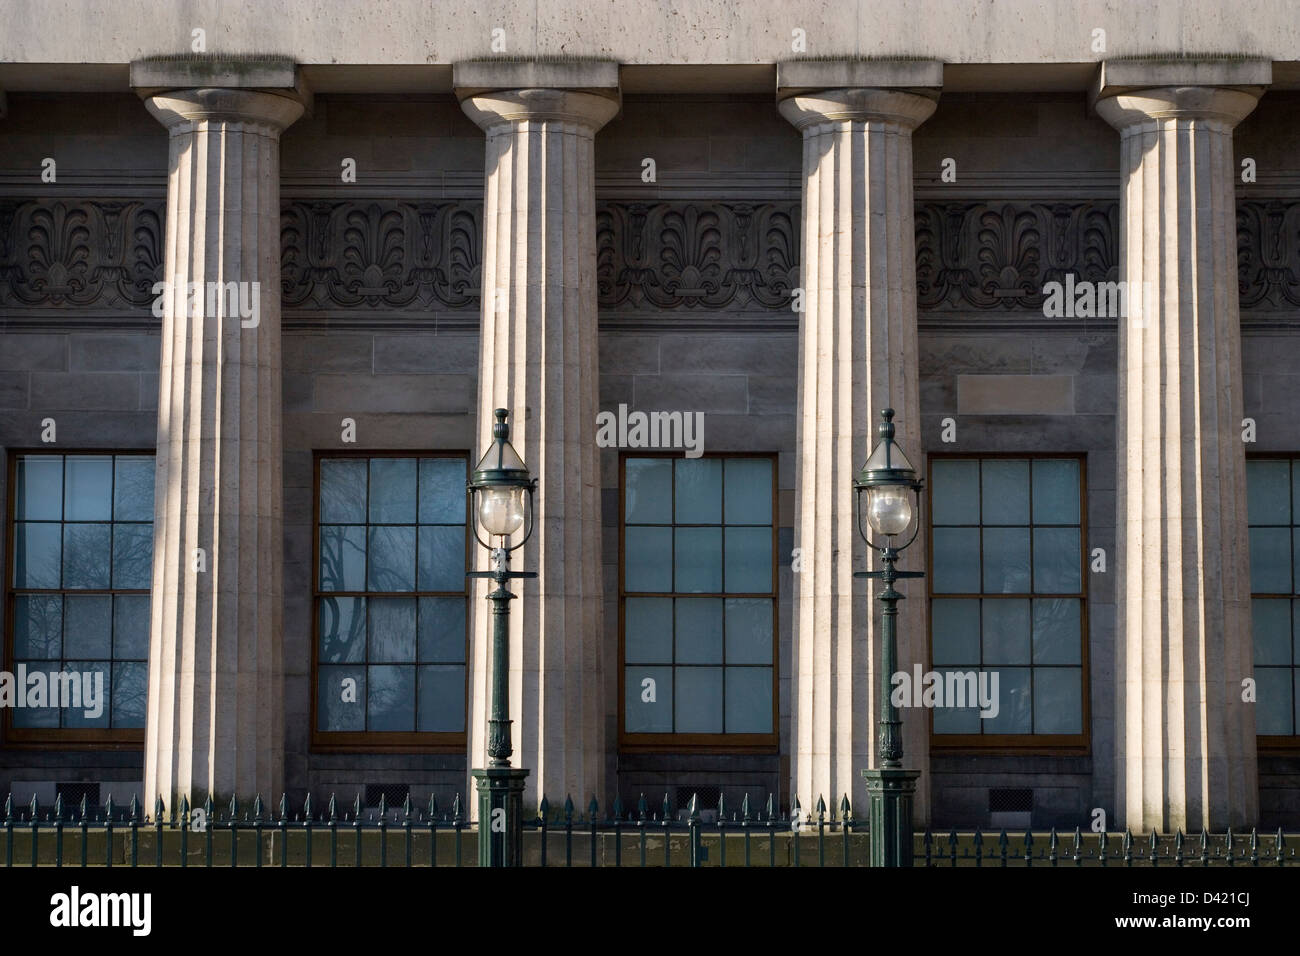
x: 223, y: 87
x: 907, y: 109
x: 495, y: 108
x: 1127, y: 93
x: 582, y: 92
x: 177, y: 109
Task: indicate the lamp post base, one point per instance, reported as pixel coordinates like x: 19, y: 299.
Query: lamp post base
x: 500, y: 815
x: 891, y: 793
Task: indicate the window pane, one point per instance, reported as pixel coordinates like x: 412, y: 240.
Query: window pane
x: 749, y: 631
x: 132, y: 556
x: 392, y: 491
x: 1005, y: 491
x: 749, y: 491
x: 1057, y: 631
x: 342, y: 491
x: 1272, y: 630
x: 38, y: 627
x: 392, y: 559
x: 342, y: 558
x: 442, y: 630
x: 88, y: 626
x: 956, y: 560
x: 40, y: 488
x: 955, y: 626
x: 1006, y: 560
x: 341, y: 624
x: 699, y: 490
x: 130, y: 694
x: 442, y: 558
x: 37, y: 555
x: 88, y: 488
x: 391, y: 630
x: 648, y: 699
x: 956, y: 492
x: 1270, y: 560
x: 1273, y: 706
x: 1058, y: 700
x: 86, y: 555
x: 699, y: 700
x: 131, y: 627
x: 749, y: 559
x: 699, y: 630
x: 93, y: 677
x: 441, y: 705
x: 957, y: 720
x: 698, y: 559
x: 133, y: 489
x: 1268, y: 492
x: 648, y: 630
x: 749, y: 700
x: 332, y: 711
x: 648, y: 559
x: 43, y: 716
x: 442, y: 491
x: 1006, y: 631
x: 1056, y: 560
x: 390, y: 698
x: 1295, y: 557
x: 1013, y: 702
x: 648, y: 496
x: 1056, y: 491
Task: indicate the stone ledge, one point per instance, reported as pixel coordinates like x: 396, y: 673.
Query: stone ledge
x: 796, y: 77
x: 477, y: 76
x: 271, y: 74
x: 1115, y: 77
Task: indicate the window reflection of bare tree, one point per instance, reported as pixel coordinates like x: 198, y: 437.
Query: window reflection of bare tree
x: 335, y: 614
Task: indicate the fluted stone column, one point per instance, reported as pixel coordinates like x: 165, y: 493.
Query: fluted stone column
x: 1185, y: 740
x: 216, y: 713
x: 857, y: 355
x: 538, y: 358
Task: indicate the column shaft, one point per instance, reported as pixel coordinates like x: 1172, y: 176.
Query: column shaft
x: 1185, y: 740
x: 857, y: 355
x: 538, y: 358
x: 215, y: 715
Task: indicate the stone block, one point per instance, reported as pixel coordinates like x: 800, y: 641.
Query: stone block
x: 115, y: 352
x: 691, y: 393
x: 421, y: 352
x: 772, y: 394
x: 358, y: 394
x: 32, y: 352
x: 1015, y: 394
x: 85, y: 391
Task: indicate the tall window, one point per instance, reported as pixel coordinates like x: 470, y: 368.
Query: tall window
x: 1007, y: 589
x: 81, y: 564
x: 697, y: 603
x: 390, y: 602
x: 1273, y: 512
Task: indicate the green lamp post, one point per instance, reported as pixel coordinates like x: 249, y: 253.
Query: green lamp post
x: 889, y: 499
x: 501, y: 503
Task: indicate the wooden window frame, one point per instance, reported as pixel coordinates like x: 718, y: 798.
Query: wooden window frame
x: 701, y: 743
x: 60, y: 738
x: 383, y: 741
x: 1278, y: 744
x: 1015, y: 744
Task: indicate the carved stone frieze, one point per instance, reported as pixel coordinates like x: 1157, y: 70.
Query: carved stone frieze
x: 689, y: 255
x: 70, y: 254
x: 373, y: 256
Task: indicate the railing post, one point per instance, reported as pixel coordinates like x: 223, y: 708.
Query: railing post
x: 108, y: 832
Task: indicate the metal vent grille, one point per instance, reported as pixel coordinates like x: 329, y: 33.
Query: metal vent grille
x: 72, y: 792
x: 394, y: 794
x: 1011, y: 800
